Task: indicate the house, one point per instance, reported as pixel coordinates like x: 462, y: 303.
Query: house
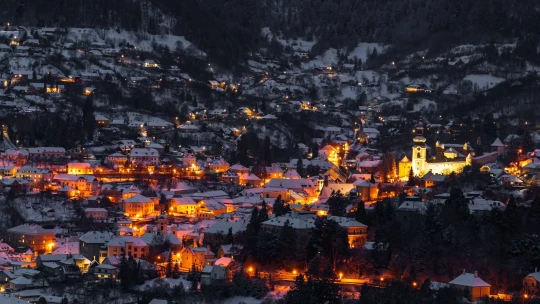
x: 221, y: 271
x: 239, y: 169
x: 150, y: 64
x: 34, y: 236
x: 471, y: 281
x: 229, y: 251
x: 45, y: 153
x: 92, y: 244
x: 138, y: 206
x: 78, y: 185
x: 183, y: 205
x: 102, y: 121
x: 105, y: 272
x: 356, y: 231
x: 209, y: 208
x: 249, y: 180
x: 97, y: 214
x: 196, y: 258
x: 64, y: 261
x: 34, y: 174
x: 116, y: 159
x: 218, y: 165
x: 498, y: 146
x: 80, y: 168
x: 20, y: 283
x: 144, y: 156
x: 128, y: 245
x: 531, y: 281
x: 366, y: 191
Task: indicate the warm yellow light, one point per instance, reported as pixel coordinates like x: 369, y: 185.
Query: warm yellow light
x: 250, y: 269
x: 294, y: 272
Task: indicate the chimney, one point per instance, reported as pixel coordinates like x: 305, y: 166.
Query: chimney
x: 535, y: 269
x: 476, y: 274
x: 463, y: 271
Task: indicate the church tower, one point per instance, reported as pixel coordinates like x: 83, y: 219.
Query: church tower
x: 419, y: 151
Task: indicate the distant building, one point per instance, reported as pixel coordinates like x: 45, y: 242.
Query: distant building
x: 471, y: 281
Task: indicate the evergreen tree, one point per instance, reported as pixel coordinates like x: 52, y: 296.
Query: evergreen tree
x: 315, y: 150
x: 140, y: 273
x: 88, y: 118
x: 230, y: 237
x: 41, y: 300
x: 124, y: 273
x: 267, y: 151
x: 300, y: 167
x: 176, y: 271
x: 263, y: 214
x: 164, y: 202
x: 526, y: 142
x: 360, y: 215
x: 280, y: 208
x: 317, y: 286
x: 337, y: 204
x: 169, y: 266
x: 410, y: 182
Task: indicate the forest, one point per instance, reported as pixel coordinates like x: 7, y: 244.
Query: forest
x: 230, y: 30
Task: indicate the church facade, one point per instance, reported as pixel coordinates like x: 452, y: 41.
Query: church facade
x: 447, y: 158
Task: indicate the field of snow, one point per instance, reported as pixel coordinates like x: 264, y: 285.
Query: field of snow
x: 424, y: 105
x: 364, y: 48
x: 484, y: 81
x: 170, y: 281
x: 348, y: 92
x: 299, y: 45
x: 328, y: 58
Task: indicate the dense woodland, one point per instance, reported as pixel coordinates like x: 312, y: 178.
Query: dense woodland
x: 229, y: 30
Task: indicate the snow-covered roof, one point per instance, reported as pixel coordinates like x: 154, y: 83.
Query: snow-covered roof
x: 137, y: 198
x: 122, y: 240
x: 144, y: 152
x: 95, y: 210
x: 224, y: 261
x: 96, y: 237
x: 289, y: 183
x: 469, y: 280
x: 497, y: 143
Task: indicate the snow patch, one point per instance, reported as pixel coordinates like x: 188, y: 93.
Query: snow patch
x: 363, y: 48
x: 484, y: 81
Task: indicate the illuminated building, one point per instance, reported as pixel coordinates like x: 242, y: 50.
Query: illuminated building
x: 138, y: 206
x: 34, y: 236
x: 448, y: 157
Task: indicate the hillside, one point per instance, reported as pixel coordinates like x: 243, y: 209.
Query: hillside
x: 230, y: 30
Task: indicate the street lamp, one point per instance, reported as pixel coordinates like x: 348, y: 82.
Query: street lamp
x: 340, y: 275
x: 294, y: 272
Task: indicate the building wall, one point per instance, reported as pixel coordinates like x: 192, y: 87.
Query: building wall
x: 40, y: 242
x: 530, y: 285
x: 97, y: 215
x: 141, y: 209
x: 89, y: 251
x: 404, y: 169
x: 446, y: 168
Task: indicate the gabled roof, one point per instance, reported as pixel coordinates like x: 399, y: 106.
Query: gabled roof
x: 469, y: 280
x: 122, y: 240
x: 289, y: 183
x: 137, y: 198
x: 96, y: 237
x: 497, y: 143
